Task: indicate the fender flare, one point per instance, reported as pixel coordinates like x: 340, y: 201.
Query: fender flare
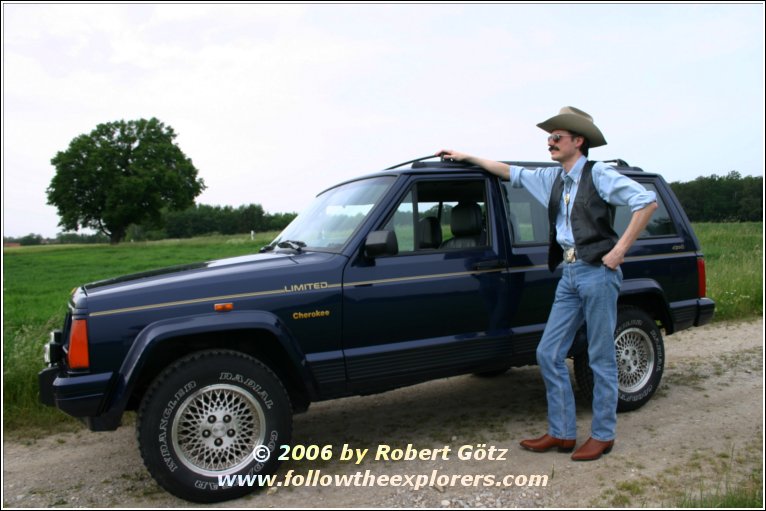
x: 152, y: 336
x: 633, y: 287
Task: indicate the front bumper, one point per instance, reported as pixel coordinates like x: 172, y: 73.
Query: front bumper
x: 84, y: 396
x: 78, y: 395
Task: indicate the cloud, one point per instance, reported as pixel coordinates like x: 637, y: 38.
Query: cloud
x: 275, y: 102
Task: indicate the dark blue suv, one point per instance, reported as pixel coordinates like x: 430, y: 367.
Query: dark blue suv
x: 395, y: 278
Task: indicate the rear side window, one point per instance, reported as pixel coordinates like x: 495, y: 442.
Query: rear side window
x: 528, y: 219
x: 660, y: 225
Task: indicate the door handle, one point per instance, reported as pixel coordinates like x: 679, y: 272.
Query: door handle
x: 492, y: 264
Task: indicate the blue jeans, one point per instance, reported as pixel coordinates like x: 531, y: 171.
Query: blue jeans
x: 585, y: 293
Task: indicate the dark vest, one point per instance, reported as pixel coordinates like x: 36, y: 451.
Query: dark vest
x: 592, y: 221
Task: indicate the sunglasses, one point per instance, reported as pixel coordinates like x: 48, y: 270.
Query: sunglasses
x: 556, y: 137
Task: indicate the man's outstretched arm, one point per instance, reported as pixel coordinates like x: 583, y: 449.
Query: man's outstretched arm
x: 497, y: 168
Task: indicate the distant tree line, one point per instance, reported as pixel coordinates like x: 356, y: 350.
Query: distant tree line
x: 199, y: 220
x: 202, y: 219
x: 61, y: 238
x: 729, y: 198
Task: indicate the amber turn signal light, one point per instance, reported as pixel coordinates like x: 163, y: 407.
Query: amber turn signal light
x: 78, y: 356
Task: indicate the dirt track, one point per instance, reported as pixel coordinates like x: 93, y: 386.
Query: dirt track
x: 702, y: 430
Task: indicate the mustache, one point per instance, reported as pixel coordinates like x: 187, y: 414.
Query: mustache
x: 553, y: 148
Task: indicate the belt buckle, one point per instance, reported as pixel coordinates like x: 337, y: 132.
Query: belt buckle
x: 569, y: 255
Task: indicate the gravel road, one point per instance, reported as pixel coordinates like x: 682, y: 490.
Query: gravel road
x: 702, y: 431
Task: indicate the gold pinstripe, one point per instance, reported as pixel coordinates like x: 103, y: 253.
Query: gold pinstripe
x: 422, y: 277
x: 519, y: 269
x: 284, y: 292
x: 350, y: 284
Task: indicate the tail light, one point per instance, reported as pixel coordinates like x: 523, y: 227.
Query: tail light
x: 78, y: 357
x: 701, y: 282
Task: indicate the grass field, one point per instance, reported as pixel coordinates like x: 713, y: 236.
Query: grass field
x: 734, y: 264
x: 38, y: 280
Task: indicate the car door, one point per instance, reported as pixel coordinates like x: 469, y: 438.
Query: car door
x: 439, y: 306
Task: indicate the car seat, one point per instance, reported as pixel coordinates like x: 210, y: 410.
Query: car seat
x: 467, y: 226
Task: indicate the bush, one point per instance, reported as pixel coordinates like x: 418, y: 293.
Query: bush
x: 730, y: 198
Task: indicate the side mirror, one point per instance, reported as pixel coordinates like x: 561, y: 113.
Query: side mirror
x: 380, y: 243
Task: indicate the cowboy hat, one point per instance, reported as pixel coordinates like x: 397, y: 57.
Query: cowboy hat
x: 575, y: 120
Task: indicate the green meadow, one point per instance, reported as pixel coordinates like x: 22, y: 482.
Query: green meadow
x: 37, y: 282
x: 734, y: 267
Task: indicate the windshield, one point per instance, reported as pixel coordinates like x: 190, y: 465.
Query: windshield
x: 332, y: 218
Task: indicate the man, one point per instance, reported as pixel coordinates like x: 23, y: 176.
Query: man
x: 580, y: 196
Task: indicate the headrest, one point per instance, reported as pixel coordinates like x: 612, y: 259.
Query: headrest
x: 429, y: 233
x: 466, y: 219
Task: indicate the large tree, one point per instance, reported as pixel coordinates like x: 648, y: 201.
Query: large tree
x: 122, y: 173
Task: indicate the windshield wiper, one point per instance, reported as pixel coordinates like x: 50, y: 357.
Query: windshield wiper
x: 294, y: 245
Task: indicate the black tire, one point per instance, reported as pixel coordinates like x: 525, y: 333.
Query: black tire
x: 204, y: 416
x: 640, y: 360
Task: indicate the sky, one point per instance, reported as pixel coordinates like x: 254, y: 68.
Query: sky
x: 275, y: 103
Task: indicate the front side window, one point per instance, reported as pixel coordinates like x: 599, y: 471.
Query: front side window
x: 441, y: 215
x: 527, y: 218
x: 328, y: 223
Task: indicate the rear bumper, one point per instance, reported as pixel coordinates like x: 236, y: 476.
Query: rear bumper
x: 691, y: 313
x: 706, y: 311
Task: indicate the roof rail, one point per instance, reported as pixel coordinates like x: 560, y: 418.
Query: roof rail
x: 618, y: 162
x: 415, y: 160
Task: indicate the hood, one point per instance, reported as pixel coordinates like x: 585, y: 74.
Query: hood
x: 186, y: 271
x: 239, y: 277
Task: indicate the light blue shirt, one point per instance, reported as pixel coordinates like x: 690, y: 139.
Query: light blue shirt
x: 612, y: 186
